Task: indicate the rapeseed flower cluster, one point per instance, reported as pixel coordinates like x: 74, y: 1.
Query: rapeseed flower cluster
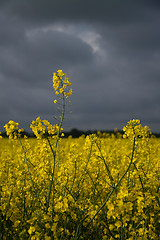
x: 12, y: 129
x: 41, y: 127
x: 94, y: 187
x: 135, y: 129
x: 60, y: 83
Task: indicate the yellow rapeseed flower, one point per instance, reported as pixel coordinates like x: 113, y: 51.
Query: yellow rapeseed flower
x: 31, y: 230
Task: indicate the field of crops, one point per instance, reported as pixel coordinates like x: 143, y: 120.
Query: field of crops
x: 94, y: 187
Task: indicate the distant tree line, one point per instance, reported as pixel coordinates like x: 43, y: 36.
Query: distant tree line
x: 76, y: 133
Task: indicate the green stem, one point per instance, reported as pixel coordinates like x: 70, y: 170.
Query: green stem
x: 107, y: 168
x: 51, y: 181
x: 52, y: 176
x: 75, y: 175
x: 82, y: 179
x: 140, y: 180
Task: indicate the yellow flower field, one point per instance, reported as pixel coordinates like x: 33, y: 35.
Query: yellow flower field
x: 94, y: 187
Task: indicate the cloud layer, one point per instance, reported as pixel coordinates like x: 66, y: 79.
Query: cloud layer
x: 109, y: 49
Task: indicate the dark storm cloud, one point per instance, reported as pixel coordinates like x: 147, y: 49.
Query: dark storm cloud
x: 109, y: 49
x: 110, y: 11
x: 34, y: 51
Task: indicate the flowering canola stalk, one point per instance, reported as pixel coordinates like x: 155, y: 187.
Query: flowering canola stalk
x: 59, y: 86
x: 39, y: 127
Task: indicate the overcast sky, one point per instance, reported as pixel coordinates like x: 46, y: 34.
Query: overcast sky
x: 110, y: 49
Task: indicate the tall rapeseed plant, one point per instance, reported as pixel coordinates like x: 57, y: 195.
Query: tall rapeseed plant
x: 63, y: 90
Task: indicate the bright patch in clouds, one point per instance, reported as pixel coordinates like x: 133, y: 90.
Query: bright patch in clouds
x: 87, y: 35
